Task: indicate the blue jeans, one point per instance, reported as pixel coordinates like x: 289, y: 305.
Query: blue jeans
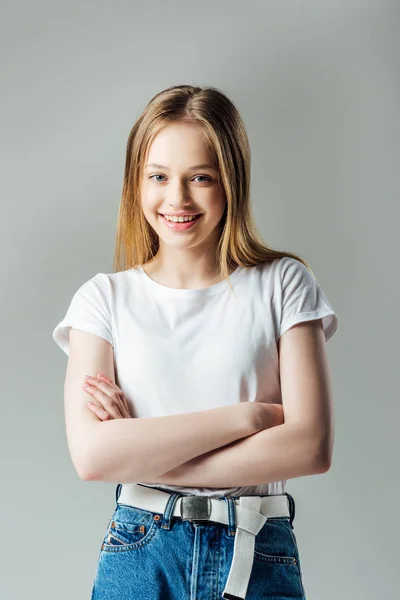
x: 153, y: 556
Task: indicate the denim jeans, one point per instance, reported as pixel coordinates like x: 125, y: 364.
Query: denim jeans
x: 153, y: 556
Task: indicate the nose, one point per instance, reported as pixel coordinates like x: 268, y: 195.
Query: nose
x: 179, y: 198
x: 180, y: 205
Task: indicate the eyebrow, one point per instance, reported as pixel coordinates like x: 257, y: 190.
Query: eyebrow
x: 204, y: 166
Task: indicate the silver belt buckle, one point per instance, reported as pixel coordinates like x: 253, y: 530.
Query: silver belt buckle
x: 195, y: 508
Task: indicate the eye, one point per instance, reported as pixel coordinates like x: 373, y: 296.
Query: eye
x: 207, y: 178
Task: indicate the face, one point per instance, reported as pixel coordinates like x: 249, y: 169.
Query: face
x: 173, y: 182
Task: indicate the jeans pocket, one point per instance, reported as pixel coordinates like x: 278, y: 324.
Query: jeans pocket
x: 130, y: 528
x: 275, y: 543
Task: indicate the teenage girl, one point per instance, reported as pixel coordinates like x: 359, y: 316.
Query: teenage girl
x: 204, y: 358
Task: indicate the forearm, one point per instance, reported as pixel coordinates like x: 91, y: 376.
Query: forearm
x: 130, y: 450
x: 282, y: 452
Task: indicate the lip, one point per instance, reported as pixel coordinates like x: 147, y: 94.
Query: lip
x: 179, y: 214
x: 180, y: 226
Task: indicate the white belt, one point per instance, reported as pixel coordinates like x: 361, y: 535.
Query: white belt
x: 251, y: 512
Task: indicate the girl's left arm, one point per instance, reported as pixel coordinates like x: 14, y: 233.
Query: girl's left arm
x: 301, y: 445
x: 281, y: 452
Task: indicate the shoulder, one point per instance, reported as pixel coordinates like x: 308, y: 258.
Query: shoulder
x: 96, y: 289
x: 98, y: 281
x: 280, y: 271
x: 110, y: 283
x: 288, y: 273
x: 288, y: 267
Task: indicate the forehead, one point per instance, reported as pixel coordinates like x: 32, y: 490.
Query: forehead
x: 180, y: 145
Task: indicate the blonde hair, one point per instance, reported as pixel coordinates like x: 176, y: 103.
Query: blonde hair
x: 240, y: 243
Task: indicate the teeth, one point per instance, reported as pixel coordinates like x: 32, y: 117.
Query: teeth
x: 178, y: 219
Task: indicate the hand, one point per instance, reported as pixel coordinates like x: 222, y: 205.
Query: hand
x: 112, y: 403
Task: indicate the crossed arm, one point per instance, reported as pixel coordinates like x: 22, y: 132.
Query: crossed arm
x: 279, y: 452
x: 221, y: 447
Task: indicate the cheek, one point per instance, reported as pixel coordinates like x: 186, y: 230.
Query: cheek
x: 149, y: 204
x: 216, y: 207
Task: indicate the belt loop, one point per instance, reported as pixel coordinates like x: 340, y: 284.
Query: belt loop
x: 117, y: 492
x: 292, y: 508
x: 231, y: 515
x: 169, y: 508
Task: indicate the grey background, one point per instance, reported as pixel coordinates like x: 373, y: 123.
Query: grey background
x: 317, y: 84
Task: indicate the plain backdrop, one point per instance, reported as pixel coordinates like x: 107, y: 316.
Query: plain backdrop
x: 317, y: 84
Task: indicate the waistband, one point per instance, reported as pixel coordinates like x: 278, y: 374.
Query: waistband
x: 249, y: 513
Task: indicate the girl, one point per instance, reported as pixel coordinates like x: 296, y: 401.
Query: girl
x: 206, y: 367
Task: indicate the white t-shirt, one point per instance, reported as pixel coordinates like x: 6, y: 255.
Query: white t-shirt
x: 186, y: 350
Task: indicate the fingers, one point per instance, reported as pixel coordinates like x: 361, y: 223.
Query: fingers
x: 113, y: 402
x: 113, y: 385
x: 109, y: 381
x: 99, y: 411
x: 108, y: 399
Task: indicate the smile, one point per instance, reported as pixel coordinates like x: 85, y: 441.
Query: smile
x: 180, y: 225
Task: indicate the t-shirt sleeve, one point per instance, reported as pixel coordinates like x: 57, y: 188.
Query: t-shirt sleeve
x: 302, y: 298
x: 89, y: 310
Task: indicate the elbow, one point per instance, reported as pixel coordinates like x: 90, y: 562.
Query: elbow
x: 321, y: 449
x: 322, y: 458
x: 85, y: 450
x: 321, y: 465
x: 85, y: 465
x: 84, y: 470
x: 86, y: 474
x: 90, y: 469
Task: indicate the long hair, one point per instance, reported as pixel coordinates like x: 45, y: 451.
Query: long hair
x: 240, y: 243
